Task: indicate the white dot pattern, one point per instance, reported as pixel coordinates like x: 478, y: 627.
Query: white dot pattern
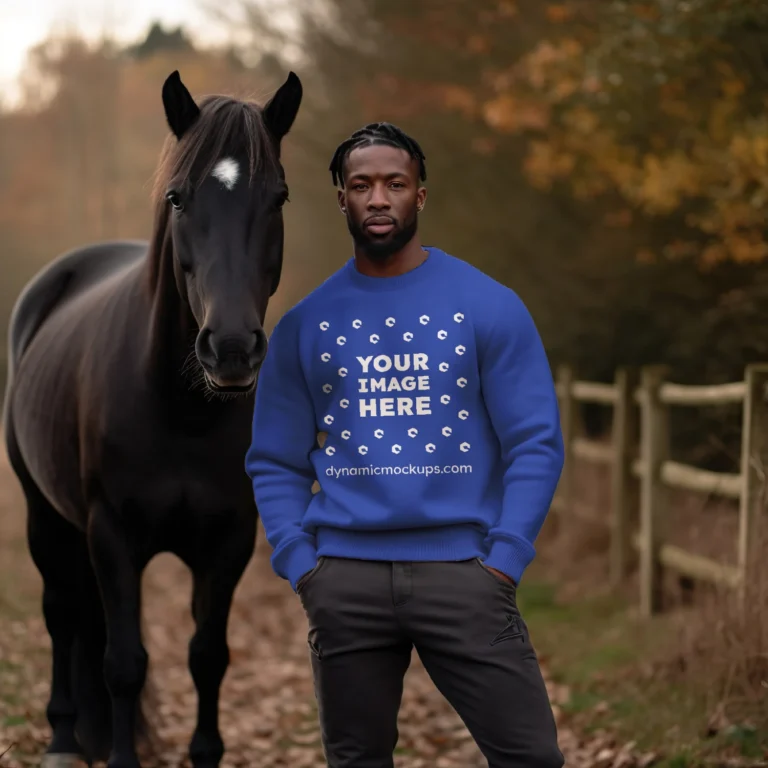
x: 408, y: 336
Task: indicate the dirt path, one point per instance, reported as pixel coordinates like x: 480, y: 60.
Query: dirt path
x: 268, y: 716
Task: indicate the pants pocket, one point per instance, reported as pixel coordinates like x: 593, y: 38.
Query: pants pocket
x: 309, y: 575
x: 496, y: 579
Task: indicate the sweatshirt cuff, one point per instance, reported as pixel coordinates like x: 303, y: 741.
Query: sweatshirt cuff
x: 511, y: 556
x: 296, y: 560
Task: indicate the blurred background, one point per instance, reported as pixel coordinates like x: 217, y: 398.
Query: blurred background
x: 607, y: 160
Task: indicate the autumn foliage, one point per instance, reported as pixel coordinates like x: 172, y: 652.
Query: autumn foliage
x: 660, y: 104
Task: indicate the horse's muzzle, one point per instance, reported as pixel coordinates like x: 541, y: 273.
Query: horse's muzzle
x: 231, y: 362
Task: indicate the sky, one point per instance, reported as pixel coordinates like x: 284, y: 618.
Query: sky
x: 24, y: 23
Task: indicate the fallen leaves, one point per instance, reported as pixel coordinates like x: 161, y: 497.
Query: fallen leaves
x: 268, y: 715
x: 602, y: 752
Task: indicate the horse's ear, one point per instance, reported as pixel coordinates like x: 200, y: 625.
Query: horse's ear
x: 280, y: 111
x: 180, y: 108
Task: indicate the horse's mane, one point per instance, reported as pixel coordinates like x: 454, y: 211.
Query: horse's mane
x: 225, y: 126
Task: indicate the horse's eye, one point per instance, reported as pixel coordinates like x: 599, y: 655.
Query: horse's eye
x: 174, y: 199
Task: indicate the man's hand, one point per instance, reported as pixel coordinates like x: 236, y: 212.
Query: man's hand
x: 501, y: 575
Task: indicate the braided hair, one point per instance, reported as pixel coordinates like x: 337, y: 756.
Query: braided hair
x: 376, y: 133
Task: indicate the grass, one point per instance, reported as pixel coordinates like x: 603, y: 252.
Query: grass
x: 616, y: 666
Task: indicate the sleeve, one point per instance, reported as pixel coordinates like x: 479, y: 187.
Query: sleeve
x: 277, y: 461
x: 520, y: 396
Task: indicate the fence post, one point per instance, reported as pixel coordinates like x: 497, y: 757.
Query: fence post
x: 654, y: 451
x: 565, y: 379
x: 624, y: 496
x: 754, y: 465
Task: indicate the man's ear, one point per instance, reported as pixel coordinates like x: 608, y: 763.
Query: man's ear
x: 421, y: 198
x: 342, y: 200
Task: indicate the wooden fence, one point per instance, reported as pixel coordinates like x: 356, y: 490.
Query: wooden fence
x: 641, y: 470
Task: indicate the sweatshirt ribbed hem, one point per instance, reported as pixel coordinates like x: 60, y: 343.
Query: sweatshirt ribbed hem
x: 454, y: 542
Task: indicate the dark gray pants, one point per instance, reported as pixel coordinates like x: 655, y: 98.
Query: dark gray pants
x: 364, y: 619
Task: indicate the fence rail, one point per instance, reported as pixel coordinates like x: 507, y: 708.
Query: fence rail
x: 642, y: 472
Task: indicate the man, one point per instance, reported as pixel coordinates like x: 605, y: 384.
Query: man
x: 442, y: 454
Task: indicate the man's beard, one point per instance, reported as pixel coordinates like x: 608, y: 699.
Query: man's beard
x: 380, y: 249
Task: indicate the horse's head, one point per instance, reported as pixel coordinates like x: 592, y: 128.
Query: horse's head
x: 224, y: 189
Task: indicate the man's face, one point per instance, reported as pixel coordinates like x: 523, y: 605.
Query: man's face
x: 381, y: 198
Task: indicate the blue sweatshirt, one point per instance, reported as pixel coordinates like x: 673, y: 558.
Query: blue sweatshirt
x: 443, y: 432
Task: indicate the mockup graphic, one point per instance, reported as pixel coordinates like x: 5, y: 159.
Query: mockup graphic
x: 399, y: 388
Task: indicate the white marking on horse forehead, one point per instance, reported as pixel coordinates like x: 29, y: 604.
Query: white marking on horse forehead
x: 227, y: 172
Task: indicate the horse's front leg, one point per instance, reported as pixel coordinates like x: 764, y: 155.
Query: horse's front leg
x: 216, y: 574
x: 118, y: 570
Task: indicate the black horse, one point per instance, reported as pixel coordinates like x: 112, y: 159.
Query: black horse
x: 128, y: 414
